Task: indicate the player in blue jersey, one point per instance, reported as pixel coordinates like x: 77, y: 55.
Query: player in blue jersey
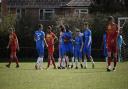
x: 68, y: 45
x: 120, y: 42
x: 105, y: 46
x: 61, y: 59
x: 78, y: 45
x: 87, y: 39
x: 39, y: 38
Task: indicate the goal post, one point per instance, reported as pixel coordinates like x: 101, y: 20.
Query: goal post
x: 122, y: 24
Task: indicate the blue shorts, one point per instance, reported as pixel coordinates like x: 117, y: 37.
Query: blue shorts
x: 61, y: 50
x: 69, y: 48
x: 87, y: 50
x: 40, y: 51
x: 77, y: 53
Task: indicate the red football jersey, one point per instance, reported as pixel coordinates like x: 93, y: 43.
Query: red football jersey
x: 50, y: 38
x: 13, y: 40
x: 112, y: 33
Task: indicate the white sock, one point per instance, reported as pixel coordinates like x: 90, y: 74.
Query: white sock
x: 59, y: 60
x: 85, y: 62
x: 91, y: 59
x: 76, y: 61
x: 63, y: 62
x: 38, y: 60
x: 41, y: 62
x: 72, y: 60
x: 106, y: 59
x: 67, y: 59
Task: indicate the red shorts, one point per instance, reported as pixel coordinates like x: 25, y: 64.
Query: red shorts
x: 112, y: 48
x: 51, y: 49
x: 13, y: 50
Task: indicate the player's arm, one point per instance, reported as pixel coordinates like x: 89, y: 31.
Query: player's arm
x: 17, y: 43
x: 82, y: 45
x: 9, y: 42
x: 123, y: 41
x: 89, y: 39
x: 115, y: 37
x: 34, y: 37
x: 55, y: 37
x: 45, y: 41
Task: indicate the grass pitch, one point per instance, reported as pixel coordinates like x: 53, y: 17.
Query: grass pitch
x: 26, y: 77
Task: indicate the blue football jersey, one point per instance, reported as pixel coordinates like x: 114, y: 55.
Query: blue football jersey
x: 39, y: 37
x: 78, y: 40
x: 87, y: 36
x: 68, y: 36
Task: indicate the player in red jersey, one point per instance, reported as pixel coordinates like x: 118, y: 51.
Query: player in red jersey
x: 14, y: 46
x: 50, y: 37
x: 112, y: 34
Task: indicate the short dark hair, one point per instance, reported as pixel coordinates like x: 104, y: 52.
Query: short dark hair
x: 49, y: 27
x: 40, y: 26
x: 11, y: 29
x: 110, y: 18
x: 62, y: 28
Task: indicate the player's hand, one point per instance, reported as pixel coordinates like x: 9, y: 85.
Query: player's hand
x: 18, y: 49
x: 7, y: 47
x: 46, y: 45
x: 112, y: 41
x: 81, y: 50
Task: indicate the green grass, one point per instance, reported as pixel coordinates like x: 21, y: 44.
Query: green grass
x: 26, y: 77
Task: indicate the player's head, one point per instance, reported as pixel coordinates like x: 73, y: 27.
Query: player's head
x: 11, y: 30
x: 67, y: 28
x: 120, y: 32
x: 110, y: 19
x: 77, y: 31
x: 62, y: 28
x: 86, y: 25
x: 40, y: 26
x: 49, y: 28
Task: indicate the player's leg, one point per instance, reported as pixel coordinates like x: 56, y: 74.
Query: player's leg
x: 41, y: 57
x: 119, y: 55
x: 53, y: 61
x: 85, y: 57
x: 52, y: 57
x: 10, y: 60
x: 85, y: 61
x: 59, y: 59
x: 76, y: 58
x: 38, y: 59
x: 90, y: 57
x: 115, y: 57
x: 73, y: 57
x: 80, y: 59
x: 72, y: 62
x: 67, y: 55
x: 11, y: 57
x: 16, y: 59
x: 76, y: 62
x: 63, y: 52
x: 106, y: 54
x: 49, y: 58
x: 109, y: 59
